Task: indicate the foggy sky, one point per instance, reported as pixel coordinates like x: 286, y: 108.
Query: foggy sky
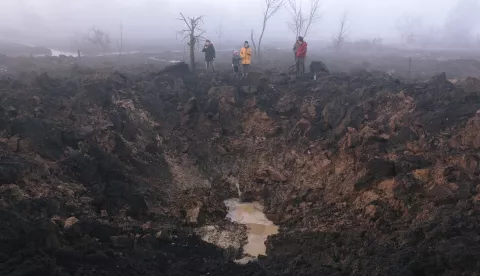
x: 47, y: 21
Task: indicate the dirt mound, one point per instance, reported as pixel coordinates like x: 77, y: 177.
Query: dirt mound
x: 115, y: 172
x: 179, y: 69
x: 318, y: 67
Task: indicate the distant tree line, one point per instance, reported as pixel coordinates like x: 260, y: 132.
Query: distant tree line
x: 458, y: 29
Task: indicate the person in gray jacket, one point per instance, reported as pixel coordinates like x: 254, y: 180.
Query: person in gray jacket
x: 295, y: 48
x: 236, y: 59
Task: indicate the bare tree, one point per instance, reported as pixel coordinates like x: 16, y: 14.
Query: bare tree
x: 192, y: 34
x: 300, y: 22
x: 219, y: 32
x: 252, y: 38
x: 340, y: 37
x: 99, y: 39
x: 79, y: 41
x: 377, y: 41
x: 120, y: 40
x: 270, y: 9
x: 461, y: 23
x: 407, y: 25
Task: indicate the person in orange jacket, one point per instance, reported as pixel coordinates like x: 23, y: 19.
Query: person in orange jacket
x: 246, y: 55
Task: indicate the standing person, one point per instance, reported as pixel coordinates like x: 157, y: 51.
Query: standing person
x: 246, y: 55
x: 295, y: 48
x: 236, y: 62
x: 301, y: 54
x: 209, y: 51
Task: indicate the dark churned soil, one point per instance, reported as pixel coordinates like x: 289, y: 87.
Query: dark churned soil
x: 111, y: 172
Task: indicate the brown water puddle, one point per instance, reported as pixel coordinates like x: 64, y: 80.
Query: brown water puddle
x: 258, y: 226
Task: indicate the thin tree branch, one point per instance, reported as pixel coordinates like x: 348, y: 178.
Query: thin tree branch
x: 313, y: 16
x: 342, y: 32
x: 270, y: 9
x: 300, y: 21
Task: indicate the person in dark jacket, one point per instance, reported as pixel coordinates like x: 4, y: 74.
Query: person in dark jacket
x: 209, y: 51
x: 301, y: 54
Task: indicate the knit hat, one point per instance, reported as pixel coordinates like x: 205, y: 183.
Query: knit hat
x: 246, y: 42
x: 300, y: 38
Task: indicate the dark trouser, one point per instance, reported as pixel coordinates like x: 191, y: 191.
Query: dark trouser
x: 208, y: 64
x: 245, y: 68
x: 300, y: 65
x: 235, y: 69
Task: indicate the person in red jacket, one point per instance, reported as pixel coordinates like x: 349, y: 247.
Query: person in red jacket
x: 301, y: 54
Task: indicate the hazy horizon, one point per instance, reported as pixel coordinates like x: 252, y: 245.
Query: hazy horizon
x: 48, y: 22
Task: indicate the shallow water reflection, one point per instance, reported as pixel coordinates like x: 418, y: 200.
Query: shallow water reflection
x: 258, y: 226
